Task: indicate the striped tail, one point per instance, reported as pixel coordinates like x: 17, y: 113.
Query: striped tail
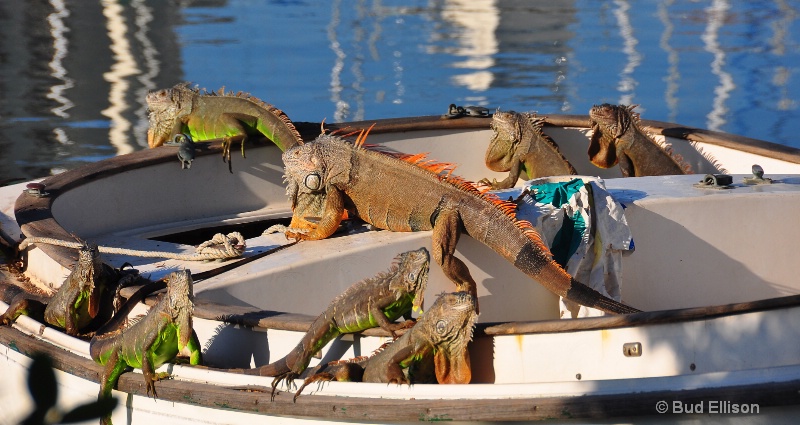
x: 584, y: 295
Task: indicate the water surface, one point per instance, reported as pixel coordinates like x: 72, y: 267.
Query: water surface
x: 73, y: 75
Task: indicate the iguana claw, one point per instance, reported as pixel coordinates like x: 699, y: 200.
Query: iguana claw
x: 287, y: 377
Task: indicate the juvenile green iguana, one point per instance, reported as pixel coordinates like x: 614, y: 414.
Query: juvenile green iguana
x: 83, y: 303
x: 155, y: 339
x: 377, y: 301
x: 441, y: 334
x: 519, y: 145
x: 398, y: 194
x: 618, y: 138
x: 209, y: 115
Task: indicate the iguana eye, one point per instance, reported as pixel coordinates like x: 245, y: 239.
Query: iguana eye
x: 441, y: 327
x: 313, y: 181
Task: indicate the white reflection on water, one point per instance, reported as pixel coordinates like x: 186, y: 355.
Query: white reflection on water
x: 478, y: 20
x: 152, y: 67
x: 60, y: 49
x: 716, y: 19
x: 673, y: 59
x: 341, y: 107
x: 124, y: 67
x: 627, y: 83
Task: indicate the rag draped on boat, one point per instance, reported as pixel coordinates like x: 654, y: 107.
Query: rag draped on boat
x: 585, y: 229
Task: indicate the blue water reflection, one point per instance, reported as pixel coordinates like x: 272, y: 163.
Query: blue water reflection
x: 73, y: 74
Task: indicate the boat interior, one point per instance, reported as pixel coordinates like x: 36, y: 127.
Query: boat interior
x: 695, y: 247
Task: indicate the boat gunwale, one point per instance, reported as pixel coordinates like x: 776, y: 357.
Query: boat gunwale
x: 255, y: 399
x: 35, y: 217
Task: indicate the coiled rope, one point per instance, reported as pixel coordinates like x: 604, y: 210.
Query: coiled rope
x: 220, y: 247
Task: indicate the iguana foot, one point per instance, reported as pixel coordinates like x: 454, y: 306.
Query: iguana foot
x: 150, y: 382
x: 226, y: 153
x: 408, y: 324
x: 287, y: 377
x: 485, y: 182
x: 319, y: 377
x: 289, y: 232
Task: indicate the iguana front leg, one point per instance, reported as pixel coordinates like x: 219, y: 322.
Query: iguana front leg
x: 150, y: 376
x: 330, y: 220
x: 446, y: 232
x: 511, y: 180
x: 626, y: 166
x: 392, y: 371
x: 383, y: 322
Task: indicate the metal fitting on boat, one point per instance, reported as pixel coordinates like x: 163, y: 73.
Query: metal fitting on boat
x: 715, y: 181
x: 632, y: 349
x: 35, y: 189
x: 454, y: 111
x: 758, y: 176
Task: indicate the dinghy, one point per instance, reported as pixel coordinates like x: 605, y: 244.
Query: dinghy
x: 712, y: 270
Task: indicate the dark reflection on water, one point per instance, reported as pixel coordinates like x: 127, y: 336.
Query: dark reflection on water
x: 73, y: 74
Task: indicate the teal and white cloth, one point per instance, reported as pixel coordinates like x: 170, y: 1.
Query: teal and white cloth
x: 585, y: 229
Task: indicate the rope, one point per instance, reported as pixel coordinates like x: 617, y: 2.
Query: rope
x: 220, y: 247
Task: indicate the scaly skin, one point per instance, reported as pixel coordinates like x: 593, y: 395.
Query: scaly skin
x: 152, y: 341
x: 205, y: 116
x: 84, y: 301
x: 617, y: 138
x: 519, y: 145
x: 442, y: 333
x: 373, y: 302
x: 399, y: 195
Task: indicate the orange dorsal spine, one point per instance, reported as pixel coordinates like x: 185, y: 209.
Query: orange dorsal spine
x: 444, y: 171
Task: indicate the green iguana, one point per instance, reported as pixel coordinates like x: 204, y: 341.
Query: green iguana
x: 398, y: 194
x: 209, y: 115
x: 155, y: 339
x: 441, y: 334
x: 83, y: 303
x: 618, y: 138
x: 377, y: 301
x: 519, y: 145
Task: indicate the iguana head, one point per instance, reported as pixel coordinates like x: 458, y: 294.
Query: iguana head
x: 181, y: 296
x: 609, y: 123
x: 447, y: 326
x: 506, y: 136
x: 88, y: 268
x: 166, y: 108
x: 413, y: 266
x: 308, y: 169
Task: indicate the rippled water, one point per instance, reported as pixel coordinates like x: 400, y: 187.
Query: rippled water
x: 73, y: 74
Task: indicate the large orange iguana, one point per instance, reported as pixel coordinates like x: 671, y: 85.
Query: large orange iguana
x: 618, y: 138
x: 410, y: 194
x: 519, y: 145
x: 208, y: 115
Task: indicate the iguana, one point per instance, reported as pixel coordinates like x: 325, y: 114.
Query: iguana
x: 376, y: 301
x: 618, y: 138
x: 153, y: 340
x: 84, y: 302
x: 209, y: 115
x: 398, y: 194
x: 519, y: 145
x: 441, y: 333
